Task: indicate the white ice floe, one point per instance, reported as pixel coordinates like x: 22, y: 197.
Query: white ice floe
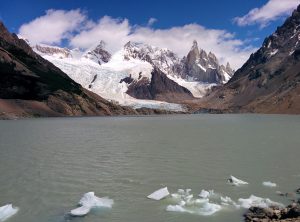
x: 7, y: 211
x: 269, y: 184
x: 80, y: 211
x: 254, y: 201
x: 204, y: 194
x: 159, y: 194
x: 89, y: 201
x: 236, y: 182
x: 186, y: 203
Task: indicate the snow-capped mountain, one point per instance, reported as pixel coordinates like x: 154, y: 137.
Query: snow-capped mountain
x: 99, y: 54
x: 139, y: 74
x: 205, y: 67
x: 197, y: 65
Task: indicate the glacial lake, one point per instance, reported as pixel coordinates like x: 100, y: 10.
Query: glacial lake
x: 47, y: 164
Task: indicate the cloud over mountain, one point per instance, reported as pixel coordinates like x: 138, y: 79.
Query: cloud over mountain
x: 271, y: 11
x: 79, y: 31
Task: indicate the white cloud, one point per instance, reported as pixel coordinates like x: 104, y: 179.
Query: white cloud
x: 80, y: 32
x: 117, y: 32
x: 271, y: 11
x: 53, y: 27
x: 151, y: 21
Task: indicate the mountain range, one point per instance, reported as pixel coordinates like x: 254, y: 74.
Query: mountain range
x: 140, y: 75
x: 44, y: 80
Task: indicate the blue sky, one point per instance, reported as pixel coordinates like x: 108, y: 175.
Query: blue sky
x: 211, y: 15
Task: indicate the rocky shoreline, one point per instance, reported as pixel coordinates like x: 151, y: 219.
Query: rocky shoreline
x: 289, y: 213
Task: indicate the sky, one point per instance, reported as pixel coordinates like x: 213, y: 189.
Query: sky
x: 232, y: 29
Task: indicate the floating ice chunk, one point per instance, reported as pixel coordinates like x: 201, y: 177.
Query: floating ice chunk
x: 254, y: 201
x: 80, y: 211
x: 204, y: 194
x: 236, y: 182
x: 7, y: 211
x: 209, y: 209
x: 185, y: 202
x: 89, y: 201
x: 159, y: 194
x: 269, y: 184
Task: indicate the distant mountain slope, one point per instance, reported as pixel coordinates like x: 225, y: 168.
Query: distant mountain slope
x: 32, y: 86
x: 269, y: 82
x: 127, y: 76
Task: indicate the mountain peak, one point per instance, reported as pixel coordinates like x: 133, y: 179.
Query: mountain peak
x: 99, y: 54
x: 195, y: 45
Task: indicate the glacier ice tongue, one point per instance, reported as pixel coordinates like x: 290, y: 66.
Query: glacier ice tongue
x: 7, y: 211
x: 159, y: 194
x: 89, y: 201
x: 236, y: 182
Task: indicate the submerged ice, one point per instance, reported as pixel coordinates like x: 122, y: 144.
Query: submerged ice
x: 7, y: 211
x: 89, y: 201
x: 269, y: 184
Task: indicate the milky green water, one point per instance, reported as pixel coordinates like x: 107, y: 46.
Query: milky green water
x: 46, y: 165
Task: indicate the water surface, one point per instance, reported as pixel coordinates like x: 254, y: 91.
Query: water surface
x: 46, y: 165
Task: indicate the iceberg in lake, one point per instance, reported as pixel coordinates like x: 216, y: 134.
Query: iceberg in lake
x: 269, y: 184
x: 89, y: 201
x: 7, y: 211
x: 159, y: 194
x: 185, y: 202
x: 236, y: 182
x: 204, y: 194
x: 254, y: 201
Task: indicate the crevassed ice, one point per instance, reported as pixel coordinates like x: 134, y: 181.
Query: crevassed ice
x: 105, y: 80
x: 7, y: 211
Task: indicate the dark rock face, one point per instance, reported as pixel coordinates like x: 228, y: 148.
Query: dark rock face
x: 205, y: 67
x: 127, y: 79
x: 289, y: 213
x: 198, y: 65
x: 64, y: 52
x: 269, y: 82
x: 99, y: 54
x: 29, y: 79
x: 160, y: 87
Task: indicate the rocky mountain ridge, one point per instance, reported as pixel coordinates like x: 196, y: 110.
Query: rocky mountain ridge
x: 269, y: 82
x: 32, y: 86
